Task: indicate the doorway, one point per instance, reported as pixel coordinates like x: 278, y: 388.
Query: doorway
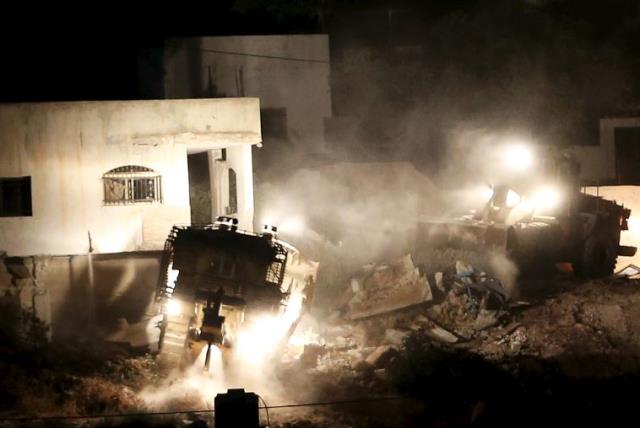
x: 199, y: 188
x: 627, y: 155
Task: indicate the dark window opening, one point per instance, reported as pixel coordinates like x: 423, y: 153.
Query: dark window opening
x: 15, y: 197
x: 627, y: 142
x: 199, y: 188
x: 131, y: 184
x: 232, y: 208
x: 274, y: 122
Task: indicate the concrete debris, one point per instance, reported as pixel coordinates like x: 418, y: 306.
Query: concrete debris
x: 629, y: 271
x: 517, y: 340
x: 395, y: 337
x: 387, y: 303
x: 442, y: 335
x: 464, y: 271
x: 514, y: 340
x: 384, y: 303
x: 485, y: 319
x: 381, y: 356
x: 421, y: 319
x: 310, y: 355
x: 439, y: 280
x: 380, y: 374
x: 344, y: 336
x: 567, y: 332
x: 379, y: 289
x: 482, y: 290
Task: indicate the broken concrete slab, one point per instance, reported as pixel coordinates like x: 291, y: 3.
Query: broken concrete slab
x: 395, y: 337
x: 381, y: 356
x: 439, y: 281
x: 442, y: 335
x: 485, y: 319
x: 385, y: 288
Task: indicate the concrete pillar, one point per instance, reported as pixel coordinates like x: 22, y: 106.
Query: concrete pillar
x: 239, y: 158
x: 216, y: 169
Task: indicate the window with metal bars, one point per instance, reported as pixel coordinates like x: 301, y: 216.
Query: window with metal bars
x: 132, y: 184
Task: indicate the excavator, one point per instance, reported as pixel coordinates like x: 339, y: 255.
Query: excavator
x: 215, y: 279
x: 539, y: 218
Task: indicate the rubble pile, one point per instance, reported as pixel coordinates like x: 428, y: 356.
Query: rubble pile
x: 452, y: 305
x: 379, y: 289
x: 383, y: 304
x: 466, y: 309
x: 469, y: 339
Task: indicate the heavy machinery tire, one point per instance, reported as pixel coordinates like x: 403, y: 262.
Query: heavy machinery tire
x: 599, y: 256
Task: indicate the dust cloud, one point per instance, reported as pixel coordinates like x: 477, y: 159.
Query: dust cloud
x: 252, y: 362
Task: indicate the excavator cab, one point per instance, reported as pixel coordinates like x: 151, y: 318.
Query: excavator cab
x: 543, y: 220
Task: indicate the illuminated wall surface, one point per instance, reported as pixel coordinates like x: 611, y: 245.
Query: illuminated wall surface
x: 598, y: 163
x: 67, y: 147
x: 287, y: 72
x: 629, y: 196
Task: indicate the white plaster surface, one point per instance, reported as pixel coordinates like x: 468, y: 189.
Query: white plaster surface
x: 67, y: 147
x: 284, y: 71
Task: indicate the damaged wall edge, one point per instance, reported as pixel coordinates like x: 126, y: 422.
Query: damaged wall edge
x: 78, y: 304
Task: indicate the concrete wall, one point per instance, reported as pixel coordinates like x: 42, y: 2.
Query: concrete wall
x: 67, y: 147
x: 291, y: 72
x: 599, y: 162
x: 87, y: 297
x: 629, y: 196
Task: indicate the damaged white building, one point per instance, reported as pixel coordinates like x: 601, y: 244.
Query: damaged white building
x: 89, y: 192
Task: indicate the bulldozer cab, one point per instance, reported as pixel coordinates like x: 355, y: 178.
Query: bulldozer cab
x: 220, y: 257
x: 214, y: 279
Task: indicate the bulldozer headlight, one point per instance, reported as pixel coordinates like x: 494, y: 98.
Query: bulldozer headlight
x: 518, y: 157
x: 173, y: 307
x: 513, y: 199
x: 485, y: 193
x: 546, y: 198
x: 269, y: 231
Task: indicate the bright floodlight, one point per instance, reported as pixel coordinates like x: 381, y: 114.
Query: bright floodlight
x: 518, y: 157
x: 293, y: 225
x: 173, y: 307
x: 484, y: 193
x: 513, y: 199
x: 546, y: 198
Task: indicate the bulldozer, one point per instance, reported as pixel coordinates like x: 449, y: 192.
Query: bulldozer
x: 539, y: 219
x: 214, y: 279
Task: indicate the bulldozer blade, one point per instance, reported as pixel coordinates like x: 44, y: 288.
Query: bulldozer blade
x: 626, y: 251
x: 207, y: 358
x: 470, y: 235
